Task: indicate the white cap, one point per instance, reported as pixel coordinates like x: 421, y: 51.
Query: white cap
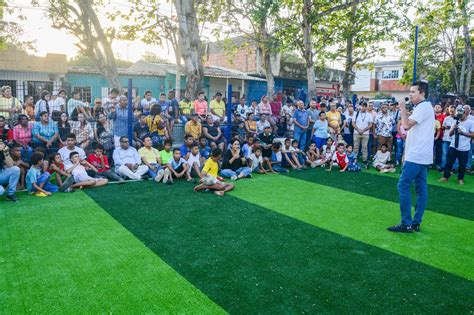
x: 55, y: 93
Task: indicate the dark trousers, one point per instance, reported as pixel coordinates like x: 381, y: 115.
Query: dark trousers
x: 438, y: 151
x: 461, y: 156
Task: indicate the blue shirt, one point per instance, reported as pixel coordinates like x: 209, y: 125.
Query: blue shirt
x: 120, y: 118
x: 184, y: 149
x: 301, y: 116
x: 164, y: 107
x: 321, y: 129
x: 45, y: 131
x: 32, y: 177
x: 176, y: 164
x: 205, y: 152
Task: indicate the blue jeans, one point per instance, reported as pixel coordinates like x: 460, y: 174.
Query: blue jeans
x: 44, y: 178
x: 413, y: 172
x: 26, y: 154
x: 369, y: 146
x: 278, y: 168
x: 400, y: 146
x: 151, y: 173
x: 300, y: 136
x: 9, y: 176
x: 242, y: 170
x: 348, y: 138
x: 469, y: 158
x: 444, y: 158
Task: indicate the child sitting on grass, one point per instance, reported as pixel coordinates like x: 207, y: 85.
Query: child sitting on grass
x: 274, y: 164
x: 299, y: 154
x: 209, y: 173
x: 37, y: 181
x: 325, y: 159
x: 58, y: 174
x: 340, y: 158
x: 17, y: 161
x: 381, y: 158
x: 194, y: 161
x: 256, y: 162
x: 312, y: 155
x: 178, y: 168
x: 351, y: 156
x: 100, y: 161
x: 81, y: 178
x: 329, y: 144
x: 289, y: 157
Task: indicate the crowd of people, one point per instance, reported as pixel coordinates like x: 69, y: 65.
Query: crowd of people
x: 61, y: 144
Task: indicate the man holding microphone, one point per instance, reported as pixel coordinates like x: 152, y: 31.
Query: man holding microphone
x: 418, y: 157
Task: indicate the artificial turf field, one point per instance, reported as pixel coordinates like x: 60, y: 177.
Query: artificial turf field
x: 307, y: 242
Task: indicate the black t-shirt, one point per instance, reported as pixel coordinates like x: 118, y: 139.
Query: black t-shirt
x: 212, y: 130
x: 236, y: 164
x: 141, y: 131
x: 265, y: 140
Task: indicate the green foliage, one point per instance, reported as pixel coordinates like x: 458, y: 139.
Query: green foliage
x: 10, y: 32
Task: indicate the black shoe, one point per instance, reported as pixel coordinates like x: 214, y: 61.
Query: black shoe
x: 402, y: 228
x: 415, y: 227
x: 12, y: 198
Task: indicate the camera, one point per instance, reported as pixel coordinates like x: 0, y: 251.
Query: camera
x: 459, y: 112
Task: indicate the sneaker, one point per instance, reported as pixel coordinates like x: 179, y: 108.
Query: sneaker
x: 13, y: 198
x: 67, y: 183
x: 68, y: 190
x: 233, y: 178
x: 402, y: 228
x: 443, y: 180
x: 165, y: 178
x: 121, y: 181
x: 159, y: 176
x: 415, y: 227
x: 461, y: 182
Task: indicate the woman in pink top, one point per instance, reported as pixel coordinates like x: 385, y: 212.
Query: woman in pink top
x: 22, y: 135
x: 265, y: 108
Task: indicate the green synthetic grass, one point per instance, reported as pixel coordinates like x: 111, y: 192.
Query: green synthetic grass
x: 250, y: 259
x: 432, y: 179
x: 65, y: 255
x: 440, y: 199
x: 445, y: 243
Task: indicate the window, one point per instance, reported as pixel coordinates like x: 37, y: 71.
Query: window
x: 86, y: 93
x: 390, y: 74
x: 10, y: 83
x: 35, y: 88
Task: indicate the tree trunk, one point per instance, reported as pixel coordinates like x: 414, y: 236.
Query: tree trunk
x: 468, y: 50
x: 99, y: 47
x: 463, y: 74
x: 269, y: 74
x: 308, y: 50
x: 348, y: 71
x: 191, y: 45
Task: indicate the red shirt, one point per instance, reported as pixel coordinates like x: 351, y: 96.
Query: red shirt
x: 6, y: 134
x: 61, y: 167
x: 340, y: 159
x: 97, y: 163
x: 276, y: 108
x: 440, y: 118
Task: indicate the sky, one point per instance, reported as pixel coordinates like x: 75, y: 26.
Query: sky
x: 49, y: 40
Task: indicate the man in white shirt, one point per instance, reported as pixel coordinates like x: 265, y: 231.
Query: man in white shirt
x: 460, y: 146
x: 418, y: 157
x: 447, y: 124
x: 68, y: 149
x: 362, y: 124
x: 127, y: 161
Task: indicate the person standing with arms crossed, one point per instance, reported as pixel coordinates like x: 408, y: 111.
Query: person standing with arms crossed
x: 418, y: 157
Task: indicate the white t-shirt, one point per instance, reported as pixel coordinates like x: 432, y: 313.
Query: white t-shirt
x: 194, y: 159
x: 447, y: 122
x: 420, y: 137
x: 464, y: 142
x: 255, y: 161
x: 261, y: 125
x: 56, y: 104
x: 362, y: 121
x: 381, y: 158
x: 65, y: 152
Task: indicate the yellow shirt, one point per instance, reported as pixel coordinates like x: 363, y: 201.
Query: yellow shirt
x: 156, y: 124
x: 193, y: 129
x: 149, y: 155
x: 334, y: 119
x: 211, y: 167
x: 6, y: 104
x: 186, y: 107
x: 218, y: 107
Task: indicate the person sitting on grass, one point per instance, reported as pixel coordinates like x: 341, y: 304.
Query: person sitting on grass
x: 209, y: 173
x: 185, y: 148
x: 17, y: 161
x: 166, y: 155
x: 178, y: 167
x: 351, y: 156
x: 339, y: 158
x: 234, y: 164
x: 37, y: 181
x: 127, y: 161
x: 58, y: 174
x: 274, y: 163
x: 381, y: 159
x: 81, y: 178
x: 325, y: 158
x: 329, y: 144
x: 289, y: 157
x: 151, y: 158
x: 247, y: 148
x: 299, y: 154
x: 256, y: 162
x: 194, y: 161
x: 204, y: 149
x: 312, y: 155
x: 100, y: 161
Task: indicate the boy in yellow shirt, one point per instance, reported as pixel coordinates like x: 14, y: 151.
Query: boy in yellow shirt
x: 209, y: 174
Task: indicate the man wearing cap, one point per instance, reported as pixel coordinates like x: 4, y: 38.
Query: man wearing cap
x: 217, y: 107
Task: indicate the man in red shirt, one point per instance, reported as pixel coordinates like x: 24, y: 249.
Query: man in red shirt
x: 438, y: 144
x: 275, y: 104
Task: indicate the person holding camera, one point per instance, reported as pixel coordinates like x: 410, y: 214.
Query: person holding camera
x: 9, y: 174
x: 418, y: 157
x: 462, y: 132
